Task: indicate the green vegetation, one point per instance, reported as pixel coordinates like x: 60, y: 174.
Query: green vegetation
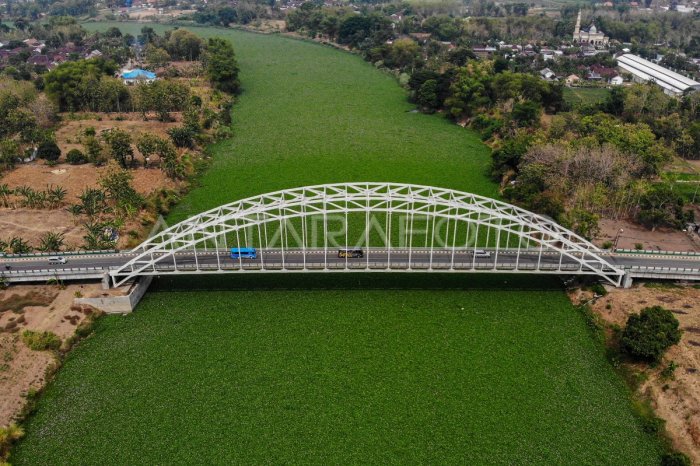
x: 337, y: 376
x: 650, y: 333
x: 8, y: 436
x: 309, y: 115
x: 579, y: 96
x: 41, y: 341
x: 285, y: 370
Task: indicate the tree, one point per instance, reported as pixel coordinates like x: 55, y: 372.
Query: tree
x: 182, y: 137
x: 427, y: 96
x: 405, y: 54
x: 93, y: 202
x: 119, y: 143
x: 222, y: 68
x: 169, y: 162
x: 162, y: 96
x: 93, y: 150
x: 9, y: 153
x: 148, y: 144
x: 661, y: 206
x: 156, y: 56
x: 184, y: 45
x: 526, y: 113
x: 116, y: 181
x: 49, y: 151
x: 73, y: 85
x: 650, y: 333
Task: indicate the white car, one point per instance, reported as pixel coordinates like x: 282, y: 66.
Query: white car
x: 57, y: 260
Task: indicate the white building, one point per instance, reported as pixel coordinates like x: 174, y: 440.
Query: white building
x: 591, y: 37
x: 643, y: 71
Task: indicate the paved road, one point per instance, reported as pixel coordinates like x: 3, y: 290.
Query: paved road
x: 418, y: 258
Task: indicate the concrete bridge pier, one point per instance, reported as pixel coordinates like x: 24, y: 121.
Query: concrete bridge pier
x: 105, y: 281
x: 627, y: 281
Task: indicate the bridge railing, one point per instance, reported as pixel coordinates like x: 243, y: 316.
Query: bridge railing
x: 59, y: 253
x: 364, y: 265
x: 657, y: 253
x: 52, y: 272
x: 664, y: 270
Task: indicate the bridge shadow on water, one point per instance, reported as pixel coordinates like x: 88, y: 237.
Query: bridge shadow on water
x: 357, y: 281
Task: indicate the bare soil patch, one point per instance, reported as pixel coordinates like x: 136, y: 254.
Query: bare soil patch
x: 661, y: 239
x: 677, y: 401
x: 75, y: 178
x: 39, y: 308
x: 30, y: 224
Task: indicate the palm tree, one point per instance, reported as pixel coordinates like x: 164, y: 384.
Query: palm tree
x: 51, y: 241
x: 56, y: 196
x: 19, y: 246
x: 93, y: 201
x: 5, y: 193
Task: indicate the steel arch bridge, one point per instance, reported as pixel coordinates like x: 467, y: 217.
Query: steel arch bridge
x: 389, y: 227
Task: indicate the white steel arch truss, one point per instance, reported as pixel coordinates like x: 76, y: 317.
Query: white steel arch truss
x: 481, y: 234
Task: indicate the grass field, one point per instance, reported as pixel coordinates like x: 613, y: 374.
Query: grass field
x: 577, y: 96
x: 326, y: 370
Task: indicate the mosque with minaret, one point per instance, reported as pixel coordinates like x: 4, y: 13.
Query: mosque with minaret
x: 590, y: 37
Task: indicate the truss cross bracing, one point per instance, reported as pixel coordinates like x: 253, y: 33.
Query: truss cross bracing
x: 385, y: 226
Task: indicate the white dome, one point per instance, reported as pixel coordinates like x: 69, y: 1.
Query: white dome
x: 593, y: 29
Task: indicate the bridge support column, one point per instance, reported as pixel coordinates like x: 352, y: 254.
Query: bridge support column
x: 627, y: 281
x: 105, y: 281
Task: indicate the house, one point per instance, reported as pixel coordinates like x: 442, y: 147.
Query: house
x: 616, y: 81
x: 421, y: 37
x: 93, y: 54
x: 33, y: 43
x: 548, y: 75
x: 484, y: 52
x: 593, y: 76
x: 137, y: 76
x: 571, y: 79
x: 604, y: 71
x: 39, y: 60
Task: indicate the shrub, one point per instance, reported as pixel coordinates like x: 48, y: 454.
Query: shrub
x: 649, y: 334
x: 638, y: 246
x: 182, y: 137
x: 40, y: 341
x: 675, y: 459
x: 49, y: 151
x: 75, y: 157
x: 607, y: 245
x: 223, y: 132
x: 9, y: 435
x: 599, y: 289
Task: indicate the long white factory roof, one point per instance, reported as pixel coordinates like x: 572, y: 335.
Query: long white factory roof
x: 648, y: 71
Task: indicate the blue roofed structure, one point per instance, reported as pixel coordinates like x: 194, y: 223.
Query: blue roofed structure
x: 137, y: 76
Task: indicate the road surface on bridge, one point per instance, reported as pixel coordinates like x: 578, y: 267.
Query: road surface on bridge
x: 376, y: 258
